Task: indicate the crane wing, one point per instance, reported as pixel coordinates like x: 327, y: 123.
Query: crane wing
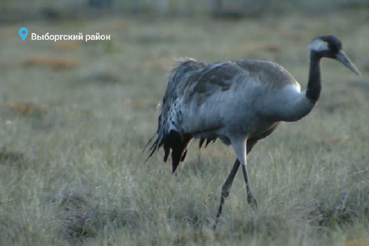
x: 210, y: 80
x: 186, y: 110
x: 199, y: 97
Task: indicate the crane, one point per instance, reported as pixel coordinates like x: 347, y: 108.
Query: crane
x: 239, y: 102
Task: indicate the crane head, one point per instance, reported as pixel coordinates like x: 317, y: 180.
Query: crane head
x: 330, y: 46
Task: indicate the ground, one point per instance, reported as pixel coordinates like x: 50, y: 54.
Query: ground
x: 75, y: 117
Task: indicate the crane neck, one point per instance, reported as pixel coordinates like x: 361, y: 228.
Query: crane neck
x: 314, y: 86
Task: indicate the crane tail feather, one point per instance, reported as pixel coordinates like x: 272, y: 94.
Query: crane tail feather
x: 167, y: 132
x: 148, y: 143
x: 152, y: 149
x: 207, y: 142
x: 179, y: 150
x: 184, y: 155
x: 202, y: 140
x: 166, y: 153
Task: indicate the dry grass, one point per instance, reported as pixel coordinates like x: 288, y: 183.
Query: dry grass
x: 54, y: 63
x: 72, y: 169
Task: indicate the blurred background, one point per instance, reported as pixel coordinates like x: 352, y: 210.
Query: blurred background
x: 148, y: 34
x: 27, y: 10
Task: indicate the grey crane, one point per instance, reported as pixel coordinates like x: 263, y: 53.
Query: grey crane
x: 239, y: 102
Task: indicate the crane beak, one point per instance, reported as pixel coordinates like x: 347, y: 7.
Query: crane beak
x: 342, y: 57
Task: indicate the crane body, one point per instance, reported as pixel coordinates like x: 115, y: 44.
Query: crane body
x: 239, y: 102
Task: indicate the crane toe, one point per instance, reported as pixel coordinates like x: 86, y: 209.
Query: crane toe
x: 252, y: 201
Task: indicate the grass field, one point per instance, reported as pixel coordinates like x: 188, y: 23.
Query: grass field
x: 75, y: 118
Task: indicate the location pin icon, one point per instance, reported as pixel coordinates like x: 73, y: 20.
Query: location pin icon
x: 23, y: 32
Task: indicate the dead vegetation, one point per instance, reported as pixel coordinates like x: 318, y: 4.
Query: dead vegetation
x: 54, y: 63
x: 73, y: 129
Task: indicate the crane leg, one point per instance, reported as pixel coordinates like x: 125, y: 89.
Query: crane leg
x: 225, y: 190
x: 250, y: 197
x: 242, y: 150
